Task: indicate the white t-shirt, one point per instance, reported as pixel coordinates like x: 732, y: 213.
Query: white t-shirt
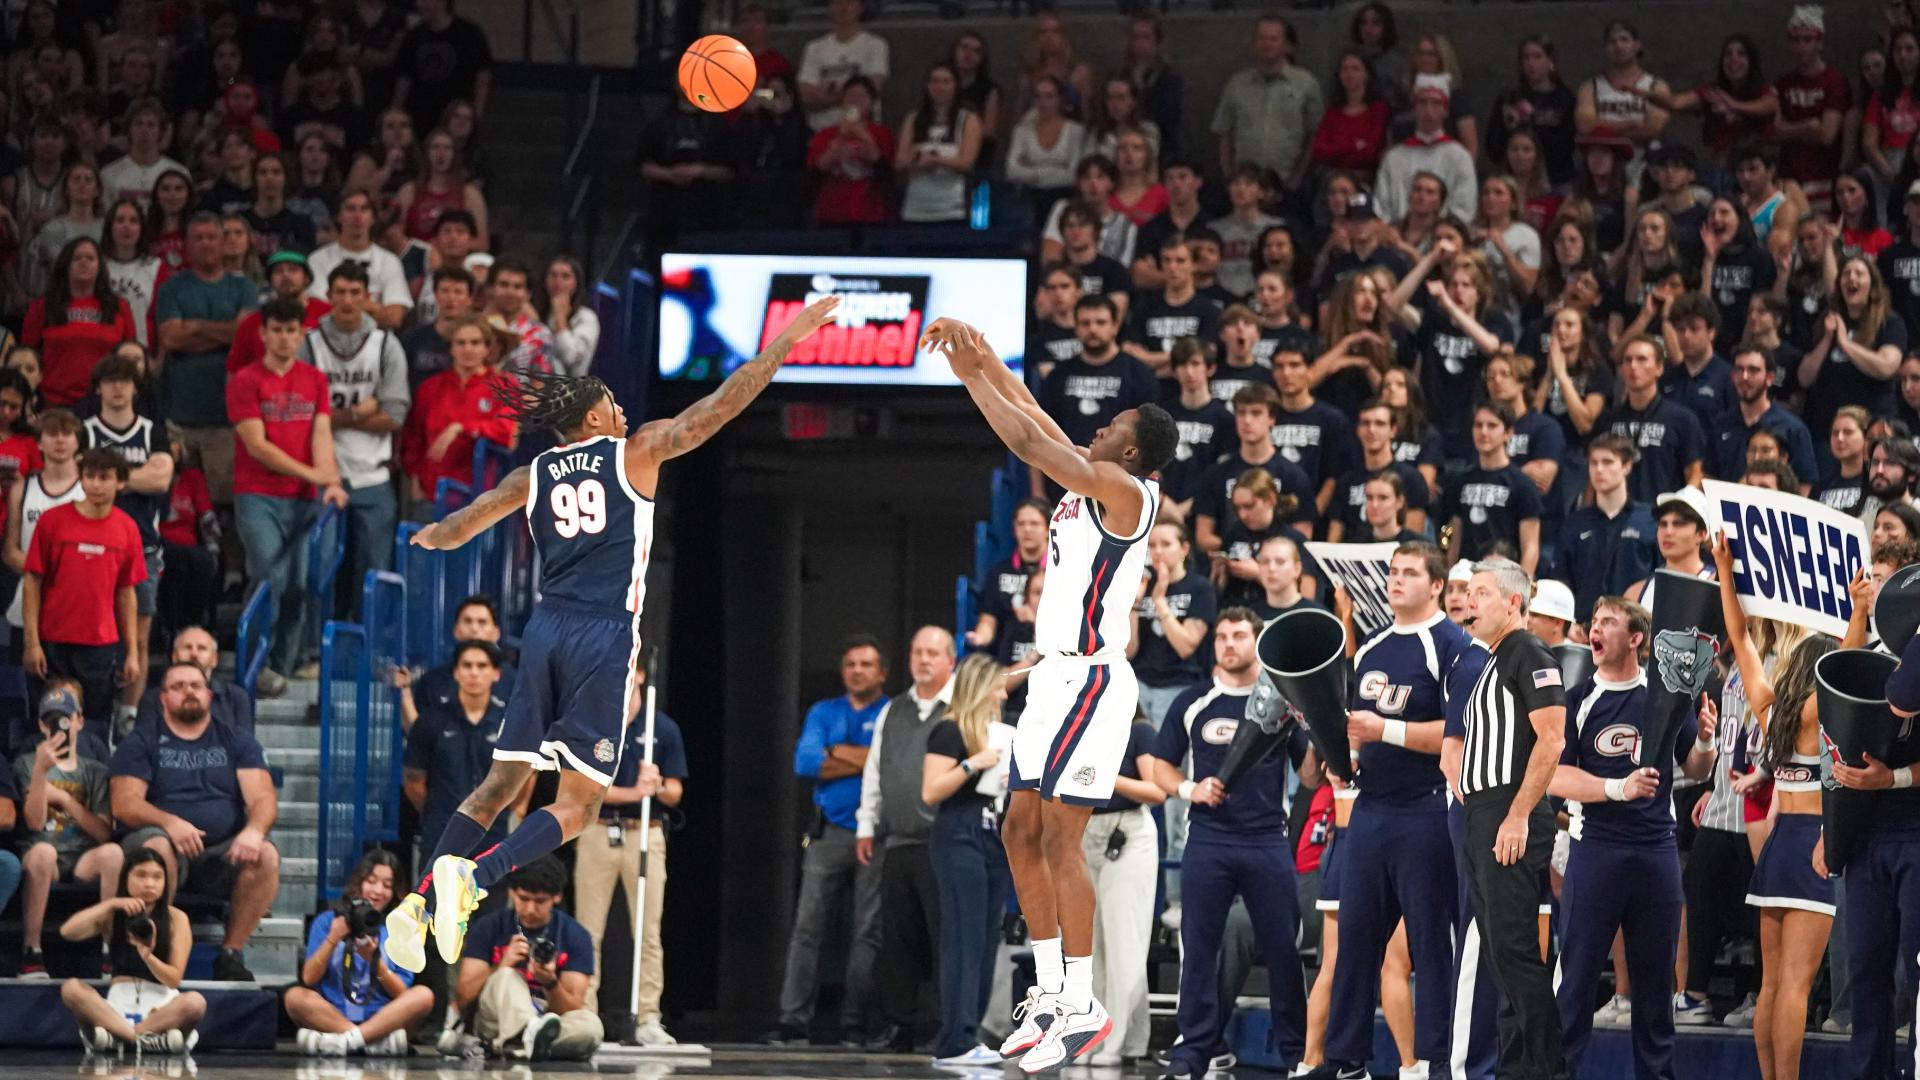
x: 135, y: 282
x: 831, y: 62
x: 126, y: 177
x: 386, y: 278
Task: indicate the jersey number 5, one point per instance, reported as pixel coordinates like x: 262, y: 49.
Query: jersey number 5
x: 578, y: 509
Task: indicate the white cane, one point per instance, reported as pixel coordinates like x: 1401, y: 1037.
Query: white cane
x: 646, y: 839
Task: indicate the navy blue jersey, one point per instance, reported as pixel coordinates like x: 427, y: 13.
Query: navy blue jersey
x: 1318, y: 438
x: 1491, y: 504
x: 1708, y: 394
x: 1468, y: 663
x: 1603, y: 737
x: 1402, y: 673
x: 1535, y: 438
x: 593, y: 530
x: 1728, y: 435
x: 1349, y: 505
x: 136, y: 444
x: 1203, y: 719
x: 1205, y: 434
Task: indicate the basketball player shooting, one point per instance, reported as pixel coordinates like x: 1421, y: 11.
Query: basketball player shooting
x: 589, y: 505
x: 1081, y: 697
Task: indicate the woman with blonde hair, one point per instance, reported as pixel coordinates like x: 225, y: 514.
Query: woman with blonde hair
x: 1433, y: 54
x: 1050, y: 52
x: 962, y: 778
x: 1512, y: 246
x: 1861, y: 343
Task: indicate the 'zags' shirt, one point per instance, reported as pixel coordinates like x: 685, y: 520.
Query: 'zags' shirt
x: 1604, y: 736
x: 71, y: 349
x: 1084, y: 397
x: 1669, y: 439
x: 1202, y: 720
x: 82, y: 563
x: 1318, y: 438
x: 197, y: 779
x: 286, y: 406
x: 1491, y: 504
x: 1402, y: 673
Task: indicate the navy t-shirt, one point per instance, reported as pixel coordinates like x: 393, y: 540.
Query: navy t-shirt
x: 456, y: 754
x: 1139, y: 741
x: 1051, y: 341
x: 1004, y: 589
x: 1229, y: 380
x: 1239, y: 542
x: 197, y: 779
x: 1205, y: 434
x: 1535, y: 438
x: 1101, y: 275
x: 946, y: 740
x: 1903, y: 686
x: 1841, y: 382
x: 573, y: 948
x: 1736, y: 277
x: 1450, y: 372
x: 1424, y: 448
x: 669, y: 756
x: 1730, y: 434
x: 1844, y: 493
x: 1154, y: 662
x: 1669, y: 438
x: 1708, y: 394
x: 1604, y: 726
x: 1596, y: 380
x: 1318, y: 439
x: 1349, y: 505
x: 1083, y: 398
x: 1292, y: 336
x: 1214, y: 497
x: 1402, y: 673
x: 1491, y: 504
x: 1202, y: 720
x: 1156, y: 324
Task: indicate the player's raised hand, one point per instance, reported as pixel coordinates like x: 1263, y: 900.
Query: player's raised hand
x: 428, y: 537
x: 811, y: 318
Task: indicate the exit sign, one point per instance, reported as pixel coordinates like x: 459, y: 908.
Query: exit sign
x: 810, y: 421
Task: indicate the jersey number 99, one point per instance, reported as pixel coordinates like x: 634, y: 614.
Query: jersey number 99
x: 578, y: 508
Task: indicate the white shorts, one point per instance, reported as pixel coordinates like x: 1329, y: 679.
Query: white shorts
x: 136, y: 999
x: 1073, y: 733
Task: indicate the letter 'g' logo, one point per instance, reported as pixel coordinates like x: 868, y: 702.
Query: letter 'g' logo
x: 1219, y: 731
x: 1618, y: 740
x: 1685, y: 659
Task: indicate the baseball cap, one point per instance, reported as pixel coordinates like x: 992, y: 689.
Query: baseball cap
x: 1462, y: 571
x: 292, y: 257
x: 58, y: 703
x: 1689, y: 499
x: 1437, y: 83
x: 1552, y: 599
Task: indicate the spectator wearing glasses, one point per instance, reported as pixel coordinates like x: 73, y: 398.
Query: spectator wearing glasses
x: 230, y: 704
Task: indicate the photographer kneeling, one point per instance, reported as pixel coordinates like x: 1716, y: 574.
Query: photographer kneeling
x: 525, y: 970
x: 349, y: 1000
x: 147, y: 941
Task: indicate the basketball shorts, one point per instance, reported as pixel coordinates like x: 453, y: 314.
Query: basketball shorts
x: 569, y: 707
x: 1072, y: 738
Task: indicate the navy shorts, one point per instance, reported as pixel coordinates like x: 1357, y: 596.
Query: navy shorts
x: 1783, y: 877
x: 1330, y: 873
x: 569, y: 706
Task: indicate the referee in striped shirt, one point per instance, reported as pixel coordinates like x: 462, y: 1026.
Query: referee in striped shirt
x: 1515, y: 721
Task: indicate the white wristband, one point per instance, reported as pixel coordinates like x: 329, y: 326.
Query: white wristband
x: 1186, y: 789
x: 1903, y: 778
x: 1393, y: 732
x: 1617, y: 790
x: 1702, y: 746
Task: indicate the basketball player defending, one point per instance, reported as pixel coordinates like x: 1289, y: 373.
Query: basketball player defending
x: 1081, y: 697
x: 589, y: 504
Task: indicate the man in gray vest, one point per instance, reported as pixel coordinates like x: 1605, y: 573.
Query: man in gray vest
x: 891, y: 812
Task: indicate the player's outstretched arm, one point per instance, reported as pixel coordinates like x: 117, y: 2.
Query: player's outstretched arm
x: 509, y: 496
x: 664, y: 439
x: 1004, y: 382
x: 1062, y: 462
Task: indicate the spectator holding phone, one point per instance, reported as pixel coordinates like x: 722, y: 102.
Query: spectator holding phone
x: 349, y: 1001
x: 68, y: 820
x: 147, y: 941
x: 525, y: 969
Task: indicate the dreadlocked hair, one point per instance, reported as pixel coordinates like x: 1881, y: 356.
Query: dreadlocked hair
x: 548, y: 399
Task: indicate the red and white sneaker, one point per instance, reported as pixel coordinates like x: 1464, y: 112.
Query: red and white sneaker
x: 1071, y: 1036
x: 1034, y: 1015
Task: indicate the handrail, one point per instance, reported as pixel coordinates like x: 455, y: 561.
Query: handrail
x: 256, y: 621
x: 324, y: 565
x: 383, y: 597
x: 586, y: 128
x: 342, y: 805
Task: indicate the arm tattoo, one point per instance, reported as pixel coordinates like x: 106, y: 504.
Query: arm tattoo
x: 489, y: 506
x: 708, y: 415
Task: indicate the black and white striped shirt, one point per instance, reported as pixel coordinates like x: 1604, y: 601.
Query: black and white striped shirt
x: 1520, y: 677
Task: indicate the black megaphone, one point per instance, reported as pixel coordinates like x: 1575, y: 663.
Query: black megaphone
x: 1305, y: 651
x: 1688, y: 628
x: 1850, y: 688
x: 1267, y: 722
x: 1576, y: 662
x: 1896, y: 612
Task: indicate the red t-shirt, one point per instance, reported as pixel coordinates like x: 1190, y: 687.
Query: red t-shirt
x: 1896, y: 124
x: 1307, y: 854
x: 285, y: 405
x: 21, y: 452
x: 250, y: 344
x: 1144, y: 209
x: 1805, y: 97
x: 187, y: 503
x: 1352, y: 142
x: 69, y: 351
x: 441, y: 401
x: 83, y: 563
x: 854, y: 193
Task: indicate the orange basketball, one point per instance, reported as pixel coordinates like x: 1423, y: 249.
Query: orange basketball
x: 717, y: 73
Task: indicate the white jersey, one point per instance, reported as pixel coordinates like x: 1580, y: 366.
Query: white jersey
x: 1092, y: 575
x: 35, y: 500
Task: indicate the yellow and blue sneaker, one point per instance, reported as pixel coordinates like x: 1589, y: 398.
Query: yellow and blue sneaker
x: 455, y: 896
x: 407, y: 934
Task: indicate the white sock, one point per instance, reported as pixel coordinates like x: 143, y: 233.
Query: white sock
x: 355, y: 1040
x: 1078, y: 991
x: 1049, y: 970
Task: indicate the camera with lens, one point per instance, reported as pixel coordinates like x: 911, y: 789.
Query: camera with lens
x: 363, y: 919
x: 542, y: 950
x: 140, y: 928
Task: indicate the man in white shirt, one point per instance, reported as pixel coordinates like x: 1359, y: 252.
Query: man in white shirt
x: 1430, y: 150
x: 389, y: 298
x: 831, y: 59
x: 133, y: 176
